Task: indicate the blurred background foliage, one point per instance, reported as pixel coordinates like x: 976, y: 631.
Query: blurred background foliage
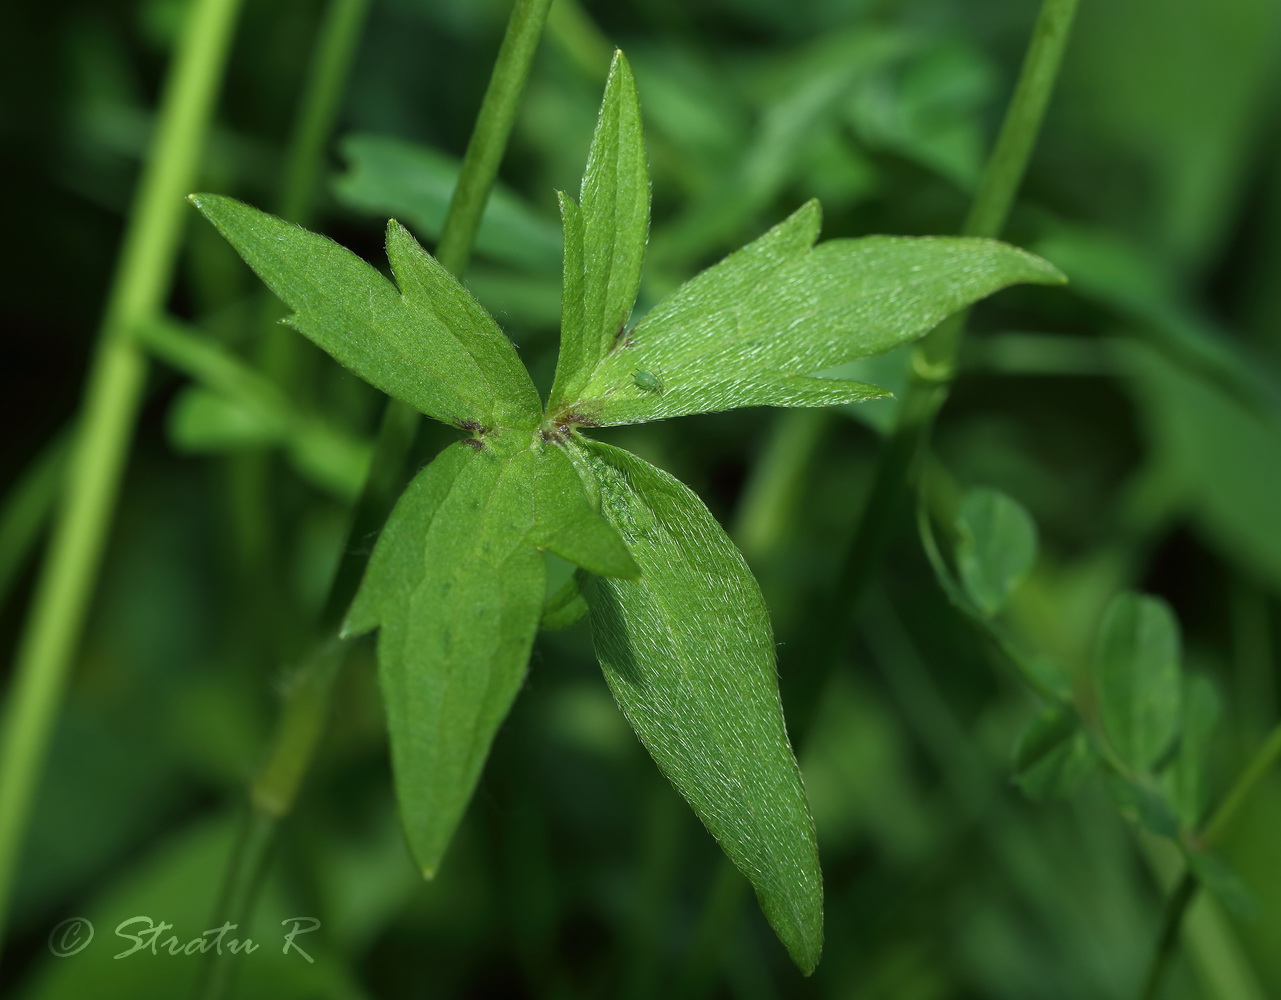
x: 1136, y: 413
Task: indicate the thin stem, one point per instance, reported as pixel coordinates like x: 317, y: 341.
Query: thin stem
x: 306, y: 708
x: 327, y: 79
x: 489, y: 137
x: 327, y: 74
x: 934, y: 360
x: 27, y: 508
x: 282, y: 355
x: 1169, y: 936
x: 105, y: 424
x: 1265, y: 758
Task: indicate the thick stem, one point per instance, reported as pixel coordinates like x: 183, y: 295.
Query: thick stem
x: 105, y: 424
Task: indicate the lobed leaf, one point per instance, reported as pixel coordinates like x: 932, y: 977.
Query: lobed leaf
x: 688, y: 653
x: 780, y: 308
x: 996, y: 546
x: 429, y: 344
x: 614, y: 219
x: 1138, y: 674
x: 456, y: 591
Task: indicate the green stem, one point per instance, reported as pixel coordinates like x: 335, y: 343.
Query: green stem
x: 105, y: 424
x: 302, y: 720
x: 934, y: 360
x: 327, y: 79
x: 1169, y: 936
x: 322, y: 95
x: 489, y: 137
x: 27, y: 508
x: 1267, y: 756
x: 282, y: 355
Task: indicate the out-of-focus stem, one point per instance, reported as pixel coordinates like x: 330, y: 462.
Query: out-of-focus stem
x: 306, y: 706
x: 934, y: 360
x: 105, y: 424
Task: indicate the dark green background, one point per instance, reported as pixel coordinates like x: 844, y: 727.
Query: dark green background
x: 1144, y: 439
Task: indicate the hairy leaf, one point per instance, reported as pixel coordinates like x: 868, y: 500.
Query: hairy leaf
x: 615, y: 223
x: 781, y: 308
x: 568, y: 522
x: 429, y: 344
x: 688, y: 652
x: 456, y: 590
x: 1139, y: 682
x: 995, y: 547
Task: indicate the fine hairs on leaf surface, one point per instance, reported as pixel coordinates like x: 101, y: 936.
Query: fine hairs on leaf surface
x: 693, y: 669
x: 456, y: 583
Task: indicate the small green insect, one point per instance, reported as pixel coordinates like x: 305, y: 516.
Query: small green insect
x: 647, y: 381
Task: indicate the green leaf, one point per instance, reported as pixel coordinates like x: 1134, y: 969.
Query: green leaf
x: 1041, y: 672
x: 389, y: 176
x: 429, y: 344
x: 565, y: 607
x: 615, y: 224
x: 1202, y: 707
x: 456, y: 590
x: 1053, y: 758
x: 995, y: 548
x: 688, y: 653
x: 568, y: 522
x: 204, y: 420
x: 578, y: 351
x: 745, y: 330
x: 1138, y: 675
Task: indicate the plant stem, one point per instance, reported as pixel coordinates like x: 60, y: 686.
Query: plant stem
x: 284, y: 357
x: 306, y: 708
x: 27, y: 508
x: 489, y: 137
x: 1169, y: 935
x: 105, y: 424
x: 934, y: 360
x: 1265, y: 758
x: 326, y: 79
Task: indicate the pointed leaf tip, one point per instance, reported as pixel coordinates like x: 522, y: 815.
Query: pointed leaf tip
x: 689, y: 656
x: 433, y: 347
